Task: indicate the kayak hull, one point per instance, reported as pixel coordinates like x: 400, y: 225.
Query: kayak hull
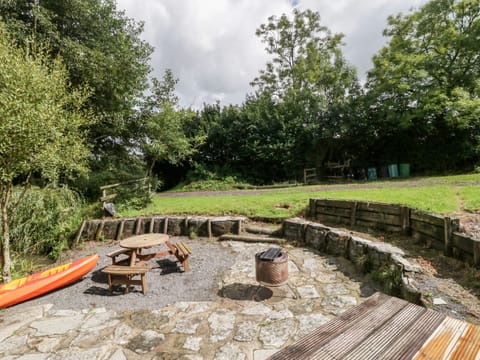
x: 46, y: 281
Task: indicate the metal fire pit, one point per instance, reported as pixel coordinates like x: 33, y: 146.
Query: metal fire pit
x: 271, y: 267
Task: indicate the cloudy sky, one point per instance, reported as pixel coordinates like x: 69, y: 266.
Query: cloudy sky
x: 211, y: 46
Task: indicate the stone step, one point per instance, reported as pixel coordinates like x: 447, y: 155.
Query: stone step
x: 252, y: 239
x: 252, y: 229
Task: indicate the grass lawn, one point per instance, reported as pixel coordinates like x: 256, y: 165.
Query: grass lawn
x: 440, y: 195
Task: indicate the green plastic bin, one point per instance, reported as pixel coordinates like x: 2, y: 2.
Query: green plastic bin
x: 372, y: 173
x: 404, y: 170
x: 393, y: 170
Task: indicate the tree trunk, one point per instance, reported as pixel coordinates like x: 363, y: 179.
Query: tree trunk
x: 5, y: 191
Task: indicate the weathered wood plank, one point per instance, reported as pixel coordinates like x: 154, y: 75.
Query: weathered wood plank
x: 377, y: 225
x: 463, y: 242
x: 377, y: 207
x: 379, y: 217
x: 421, y: 216
x: 428, y: 240
x: 330, y: 219
x: 395, y: 331
x: 335, y: 211
x: 428, y: 229
x: 340, y: 335
x: 346, y: 204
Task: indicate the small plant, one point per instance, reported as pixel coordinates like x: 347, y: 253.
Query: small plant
x: 391, y: 279
x: 193, y: 234
x: 362, y: 262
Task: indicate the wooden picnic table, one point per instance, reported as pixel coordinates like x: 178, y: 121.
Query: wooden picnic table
x: 138, y: 243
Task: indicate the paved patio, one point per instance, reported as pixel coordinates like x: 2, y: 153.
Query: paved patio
x: 246, y: 321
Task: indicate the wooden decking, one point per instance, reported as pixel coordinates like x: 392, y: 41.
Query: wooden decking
x: 385, y: 327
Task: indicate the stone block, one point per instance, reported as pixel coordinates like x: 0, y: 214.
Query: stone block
x: 294, y: 229
x: 315, y: 236
x: 337, y: 243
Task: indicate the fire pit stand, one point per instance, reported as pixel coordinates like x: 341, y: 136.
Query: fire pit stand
x: 271, y: 267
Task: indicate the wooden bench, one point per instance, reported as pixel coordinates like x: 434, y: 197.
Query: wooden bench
x: 114, y: 254
x: 182, y: 252
x: 125, y: 274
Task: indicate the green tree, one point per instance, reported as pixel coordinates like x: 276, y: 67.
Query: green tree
x: 423, y: 89
x: 40, y: 129
x: 101, y: 48
x: 163, y: 125
x: 310, y: 80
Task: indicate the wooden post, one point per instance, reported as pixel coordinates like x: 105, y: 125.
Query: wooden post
x: 209, y: 228
x: 447, y: 227
x: 186, y: 226
x: 152, y: 223
x: 405, y: 219
x: 353, y: 214
x: 79, y: 233
x: 239, y: 226
x: 311, y: 209
x: 99, y: 230
x: 476, y: 252
x: 120, y: 230
x: 137, y: 226
x: 165, y: 226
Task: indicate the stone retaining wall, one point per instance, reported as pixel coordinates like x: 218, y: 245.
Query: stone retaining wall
x: 369, y: 256
x: 117, y: 229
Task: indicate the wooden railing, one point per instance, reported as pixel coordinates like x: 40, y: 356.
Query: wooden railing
x: 105, y: 197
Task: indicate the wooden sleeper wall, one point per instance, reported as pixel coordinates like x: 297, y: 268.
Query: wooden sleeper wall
x: 434, y: 230
x: 117, y: 229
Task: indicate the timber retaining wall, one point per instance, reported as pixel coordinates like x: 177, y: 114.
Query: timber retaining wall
x: 117, y: 229
x: 440, y: 232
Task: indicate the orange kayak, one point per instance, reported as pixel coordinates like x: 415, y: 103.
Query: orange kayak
x: 43, y: 282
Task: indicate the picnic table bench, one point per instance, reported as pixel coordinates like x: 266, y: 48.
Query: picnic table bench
x: 125, y: 275
x: 116, y: 253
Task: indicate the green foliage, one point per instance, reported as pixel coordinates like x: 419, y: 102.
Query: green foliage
x: 362, y: 262
x: 162, y: 136
x: 391, y: 279
x: 100, y: 46
x: 423, y: 96
x: 42, y: 128
x: 135, y: 195
x: 45, y: 221
x: 42, y: 119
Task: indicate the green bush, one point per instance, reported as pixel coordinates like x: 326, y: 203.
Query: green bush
x: 45, y: 220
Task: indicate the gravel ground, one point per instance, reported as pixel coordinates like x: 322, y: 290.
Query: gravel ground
x: 166, y: 281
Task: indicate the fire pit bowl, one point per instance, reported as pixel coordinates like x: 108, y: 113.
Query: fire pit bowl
x: 271, y: 267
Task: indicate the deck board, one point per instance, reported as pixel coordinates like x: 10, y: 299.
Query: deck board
x: 385, y: 327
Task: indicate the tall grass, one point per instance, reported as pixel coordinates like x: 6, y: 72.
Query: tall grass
x: 45, y: 221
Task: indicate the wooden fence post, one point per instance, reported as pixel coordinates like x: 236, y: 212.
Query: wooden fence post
x: 447, y: 227
x: 99, y: 231
x: 138, y: 225
x: 152, y: 223
x: 353, y: 214
x: 476, y: 252
x: 120, y: 230
x: 405, y: 219
x: 80, y: 231
x: 209, y: 228
x: 165, y: 226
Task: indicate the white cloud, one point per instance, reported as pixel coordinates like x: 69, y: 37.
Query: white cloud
x: 212, y: 48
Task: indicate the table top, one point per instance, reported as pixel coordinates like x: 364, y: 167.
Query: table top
x: 144, y: 240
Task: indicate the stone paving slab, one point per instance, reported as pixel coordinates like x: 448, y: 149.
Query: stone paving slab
x: 246, y: 322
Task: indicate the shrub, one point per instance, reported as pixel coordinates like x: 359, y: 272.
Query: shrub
x: 45, y: 220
